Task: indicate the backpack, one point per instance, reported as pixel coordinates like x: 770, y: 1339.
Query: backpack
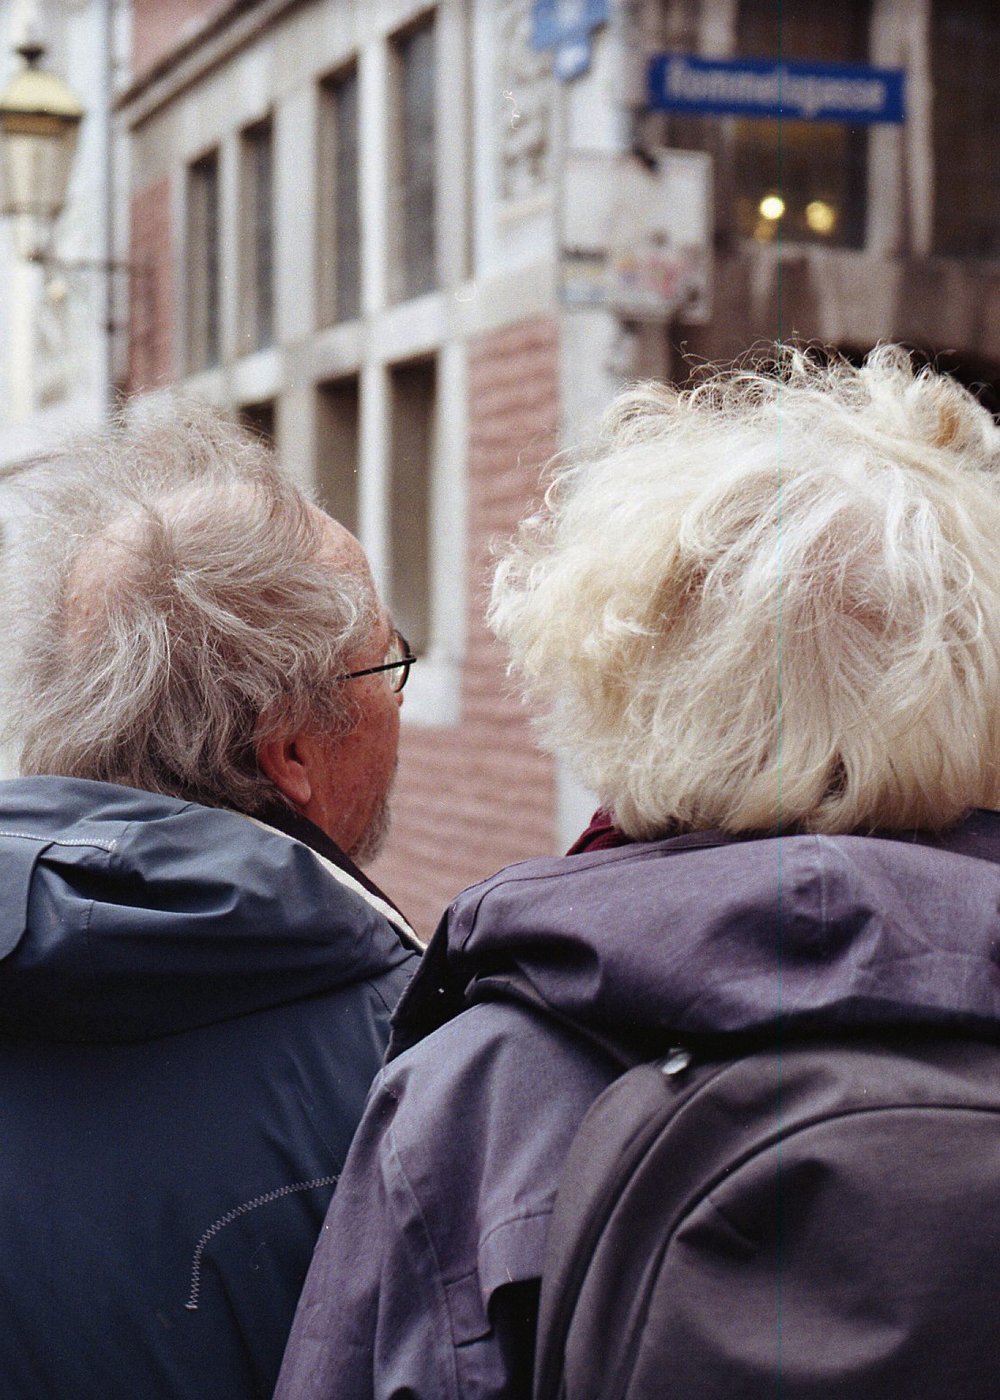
x: 813, y: 1220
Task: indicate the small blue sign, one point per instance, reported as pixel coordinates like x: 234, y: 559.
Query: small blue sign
x: 555, y: 22
x: 850, y: 94
x: 571, y: 58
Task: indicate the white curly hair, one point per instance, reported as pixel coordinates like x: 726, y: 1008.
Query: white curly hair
x: 772, y: 601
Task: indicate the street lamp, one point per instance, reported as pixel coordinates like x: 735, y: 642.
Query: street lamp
x: 40, y: 118
x: 39, y: 123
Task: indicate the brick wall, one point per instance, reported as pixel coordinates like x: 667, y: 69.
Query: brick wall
x: 151, y: 303
x: 473, y: 798
x: 159, y: 26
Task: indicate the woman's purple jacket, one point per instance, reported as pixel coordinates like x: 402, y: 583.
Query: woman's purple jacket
x: 540, y: 984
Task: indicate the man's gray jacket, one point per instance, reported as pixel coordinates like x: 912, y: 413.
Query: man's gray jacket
x: 192, y: 1007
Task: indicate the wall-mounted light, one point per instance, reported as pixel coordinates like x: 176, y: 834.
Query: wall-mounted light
x: 821, y: 216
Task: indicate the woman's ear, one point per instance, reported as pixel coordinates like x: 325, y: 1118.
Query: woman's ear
x: 286, y: 762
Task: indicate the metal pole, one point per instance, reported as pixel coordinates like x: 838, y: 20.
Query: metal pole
x: 111, y: 387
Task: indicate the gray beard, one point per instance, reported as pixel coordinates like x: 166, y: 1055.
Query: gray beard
x: 373, y: 838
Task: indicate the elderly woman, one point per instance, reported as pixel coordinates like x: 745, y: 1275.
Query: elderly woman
x: 762, y: 619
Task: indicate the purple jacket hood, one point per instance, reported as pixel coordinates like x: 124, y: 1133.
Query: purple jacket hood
x: 704, y: 935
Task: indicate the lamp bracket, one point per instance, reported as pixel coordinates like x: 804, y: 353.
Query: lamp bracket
x: 57, y: 264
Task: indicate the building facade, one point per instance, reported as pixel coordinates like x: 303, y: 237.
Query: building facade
x: 335, y: 260
x: 418, y: 245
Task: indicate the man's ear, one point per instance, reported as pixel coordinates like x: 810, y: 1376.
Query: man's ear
x: 286, y: 762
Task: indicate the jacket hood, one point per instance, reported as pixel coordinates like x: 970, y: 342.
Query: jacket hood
x: 704, y: 935
x: 128, y: 915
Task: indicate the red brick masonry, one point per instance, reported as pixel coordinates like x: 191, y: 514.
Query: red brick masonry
x: 477, y: 796
x: 151, y: 303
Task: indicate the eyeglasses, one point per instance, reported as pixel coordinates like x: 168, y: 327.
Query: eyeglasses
x: 399, y: 658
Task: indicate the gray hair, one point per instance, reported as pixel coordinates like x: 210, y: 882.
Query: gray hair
x: 772, y: 601
x: 172, y: 612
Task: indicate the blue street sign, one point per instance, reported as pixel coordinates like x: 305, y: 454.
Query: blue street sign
x: 761, y: 87
x: 554, y: 22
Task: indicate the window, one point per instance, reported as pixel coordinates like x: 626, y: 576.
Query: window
x: 257, y: 236
x: 336, y: 330
x: 814, y: 190
x: 812, y: 175
x: 414, y: 185
x: 965, y: 59
x: 388, y: 433
x: 337, y: 449
x: 339, y: 210
x: 413, y: 390
x: 203, y: 262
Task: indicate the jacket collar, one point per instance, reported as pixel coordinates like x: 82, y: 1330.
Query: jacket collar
x: 339, y: 864
x: 704, y: 935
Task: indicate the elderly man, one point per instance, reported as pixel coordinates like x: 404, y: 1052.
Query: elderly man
x: 195, y: 975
